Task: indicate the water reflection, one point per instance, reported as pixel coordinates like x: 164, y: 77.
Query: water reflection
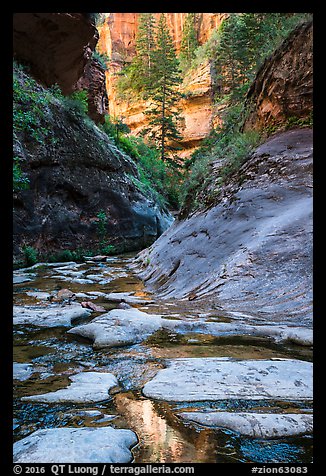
x: 162, y: 438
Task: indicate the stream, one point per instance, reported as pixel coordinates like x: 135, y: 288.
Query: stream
x: 163, y: 437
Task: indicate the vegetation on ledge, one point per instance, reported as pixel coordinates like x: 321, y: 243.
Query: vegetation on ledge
x: 236, y: 50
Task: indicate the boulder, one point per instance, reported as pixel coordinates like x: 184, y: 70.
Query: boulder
x: 119, y: 327
x: 64, y: 294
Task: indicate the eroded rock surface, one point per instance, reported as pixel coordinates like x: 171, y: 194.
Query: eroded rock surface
x: 210, y: 378
x: 86, y: 387
x: 22, y: 371
x: 71, y: 179
x: 257, y: 425
x: 283, y: 88
x: 49, y: 316
x: 252, y: 251
x: 76, y: 445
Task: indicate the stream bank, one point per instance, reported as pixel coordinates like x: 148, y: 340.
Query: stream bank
x: 50, y: 360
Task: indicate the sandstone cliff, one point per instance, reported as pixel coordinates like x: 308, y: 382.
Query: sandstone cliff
x: 117, y: 35
x: 93, y: 81
x: 58, y: 48
x: 283, y: 88
x: 250, y: 251
x: 117, y: 40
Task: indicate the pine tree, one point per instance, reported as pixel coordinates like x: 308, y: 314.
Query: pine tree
x: 189, y: 41
x: 145, y: 44
x: 246, y: 39
x: 163, y: 92
x: 139, y: 71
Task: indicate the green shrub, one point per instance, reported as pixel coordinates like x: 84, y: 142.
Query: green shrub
x: 294, y: 121
x: 129, y: 146
x: 62, y: 255
x: 30, y: 255
x: 29, y: 105
x: 115, y: 128
x: 55, y: 91
x: 77, y: 102
x: 101, y: 225
x: 20, y: 179
x: 155, y: 178
x: 236, y: 151
x: 68, y: 255
x: 102, y: 58
x: 108, y: 250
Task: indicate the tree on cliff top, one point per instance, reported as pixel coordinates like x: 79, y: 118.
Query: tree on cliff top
x: 140, y: 69
x: 164, y: 93
x: 145, y: 44
x: 189, y: 41
x: 245, y: 41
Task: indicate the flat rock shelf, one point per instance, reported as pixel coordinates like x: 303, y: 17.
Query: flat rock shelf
x: 258, y: 425
x: 134, y: 378
x: 187, y: 380
x: 75, y: 445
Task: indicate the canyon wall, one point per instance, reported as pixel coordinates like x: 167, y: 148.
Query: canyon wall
x: 57, y: 48
x: 117, y: 40
x: 283, y: 89
x: 74, y: 173
x: 118, y: 33
x: 250, y: 250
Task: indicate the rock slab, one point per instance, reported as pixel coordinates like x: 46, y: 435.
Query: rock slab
x: 119, y: 327
x: 22, y: 371
x: 76, y: 445
x: 86, y: 387
x: 257, y: 425
x: 200, y: 379
x: 50, y: 316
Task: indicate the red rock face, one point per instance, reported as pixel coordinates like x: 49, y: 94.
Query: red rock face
x: 283, y: 87
x: 56, y: 46
x: 117, y: 40
x: 93, y: 80
x: 117, y: 35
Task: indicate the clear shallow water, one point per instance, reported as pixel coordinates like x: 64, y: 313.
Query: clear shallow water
x: 163, y: 437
